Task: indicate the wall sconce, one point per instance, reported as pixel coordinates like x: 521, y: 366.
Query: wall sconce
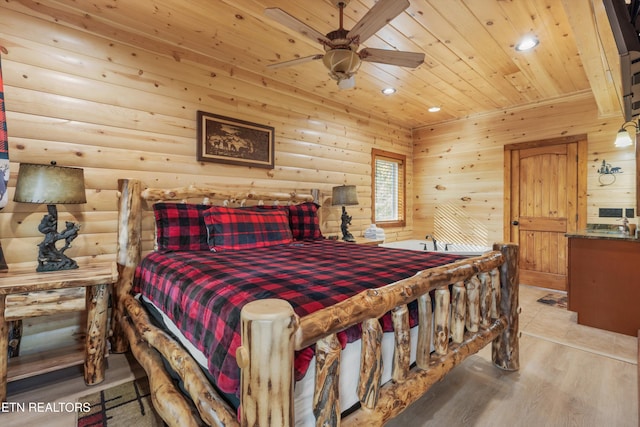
x: 52, y: 184
x: 345, y: 195
x: 623, y: 138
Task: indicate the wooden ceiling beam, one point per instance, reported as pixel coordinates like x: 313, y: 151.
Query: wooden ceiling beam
x: 598, y: 53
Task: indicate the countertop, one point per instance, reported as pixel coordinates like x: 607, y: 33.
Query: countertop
x: 602, y: 235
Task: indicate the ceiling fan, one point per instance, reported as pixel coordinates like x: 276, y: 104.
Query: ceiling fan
x: 341, y: 56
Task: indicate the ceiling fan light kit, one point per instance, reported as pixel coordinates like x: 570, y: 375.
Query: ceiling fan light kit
x: 341, y: 57
x: 341, y: 63
x: 348, y: 83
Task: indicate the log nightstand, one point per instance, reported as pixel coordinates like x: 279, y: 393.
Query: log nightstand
x: 25, y: 293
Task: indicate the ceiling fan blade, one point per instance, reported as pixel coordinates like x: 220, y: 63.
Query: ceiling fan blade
x: 377, y: 17
x: 295, y: 24
x: 392, y: 57
x: 295, y: 61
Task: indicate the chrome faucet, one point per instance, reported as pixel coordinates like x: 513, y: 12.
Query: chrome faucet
x: 435, y: 242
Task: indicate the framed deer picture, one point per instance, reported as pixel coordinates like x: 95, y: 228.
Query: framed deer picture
x: 227, y: 140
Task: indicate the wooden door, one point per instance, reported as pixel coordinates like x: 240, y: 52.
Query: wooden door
x: 543, y: 205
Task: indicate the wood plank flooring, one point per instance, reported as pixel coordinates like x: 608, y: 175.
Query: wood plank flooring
x: 571, y: 375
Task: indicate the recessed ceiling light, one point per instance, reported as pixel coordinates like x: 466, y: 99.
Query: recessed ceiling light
x: 527, y: 43
x: 389, y: 90
x: 434, y: 109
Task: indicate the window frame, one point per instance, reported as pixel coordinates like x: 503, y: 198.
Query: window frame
x: 401, y: 159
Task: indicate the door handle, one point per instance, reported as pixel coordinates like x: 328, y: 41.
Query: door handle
x: 515, y: 222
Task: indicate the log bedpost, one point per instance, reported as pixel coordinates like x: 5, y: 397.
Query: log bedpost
x: 495, y: 292
x: 326, y: 399
x: 486, y: 296
x: 441, y: 318
x: 128, y: 254
x: 4, y: 353
x: 505, y: 350
x: 473, y: 286
x: 266, y: 361
x: 425, y: 325
x: 402, y: 352
x: 97, y: 301
x: 370, y: 363
x: 458, y: 312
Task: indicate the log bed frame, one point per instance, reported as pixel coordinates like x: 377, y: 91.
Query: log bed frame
x: 482, y: 307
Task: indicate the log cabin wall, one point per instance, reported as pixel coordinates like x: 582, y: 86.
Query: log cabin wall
x: 118, y: 111
x: 459, y: 167
x: 121, y: 112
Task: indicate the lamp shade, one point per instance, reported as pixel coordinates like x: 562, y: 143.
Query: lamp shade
x: 348, y: 83
x: 344, y: 195
x: 342, y: 64
x: 50, y: 184
x: 623, y: 138
x: 341, y: 61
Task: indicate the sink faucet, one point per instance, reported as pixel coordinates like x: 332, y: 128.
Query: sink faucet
x: 435, y: 243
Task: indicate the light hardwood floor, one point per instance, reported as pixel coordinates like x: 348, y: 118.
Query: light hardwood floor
x: 570, y: 375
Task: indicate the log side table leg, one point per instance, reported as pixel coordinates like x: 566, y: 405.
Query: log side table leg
x: 97, y: 306
x: 4, y: 350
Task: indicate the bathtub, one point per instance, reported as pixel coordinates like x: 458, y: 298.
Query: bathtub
x: 451, y: 248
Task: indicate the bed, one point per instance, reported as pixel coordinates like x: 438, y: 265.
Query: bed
x: 273, y: 339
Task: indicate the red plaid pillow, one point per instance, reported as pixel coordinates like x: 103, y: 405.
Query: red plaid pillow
x: 180, y: 226
x: 235, y: 229
x: 304, y: 221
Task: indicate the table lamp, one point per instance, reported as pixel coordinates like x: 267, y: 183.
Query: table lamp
x: 345, y: 195
x: 52, y: 184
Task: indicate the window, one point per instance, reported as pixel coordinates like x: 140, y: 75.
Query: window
x: 388, y: 181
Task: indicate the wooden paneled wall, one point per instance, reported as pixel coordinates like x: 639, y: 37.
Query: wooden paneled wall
x: 458, y: 167
x: 118, y: 111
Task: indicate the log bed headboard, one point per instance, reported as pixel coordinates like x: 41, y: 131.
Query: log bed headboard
x: 475, y: 303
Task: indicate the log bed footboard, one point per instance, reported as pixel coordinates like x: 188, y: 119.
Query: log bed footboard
x: 481, y: 307
x: 460, y: 330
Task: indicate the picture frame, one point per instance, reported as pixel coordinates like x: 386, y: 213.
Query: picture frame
x: 232, y: 141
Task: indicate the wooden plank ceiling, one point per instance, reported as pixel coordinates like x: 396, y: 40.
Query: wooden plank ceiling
x: 471, y: 65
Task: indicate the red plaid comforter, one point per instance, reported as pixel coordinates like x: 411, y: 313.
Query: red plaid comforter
x: 203, y: 292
